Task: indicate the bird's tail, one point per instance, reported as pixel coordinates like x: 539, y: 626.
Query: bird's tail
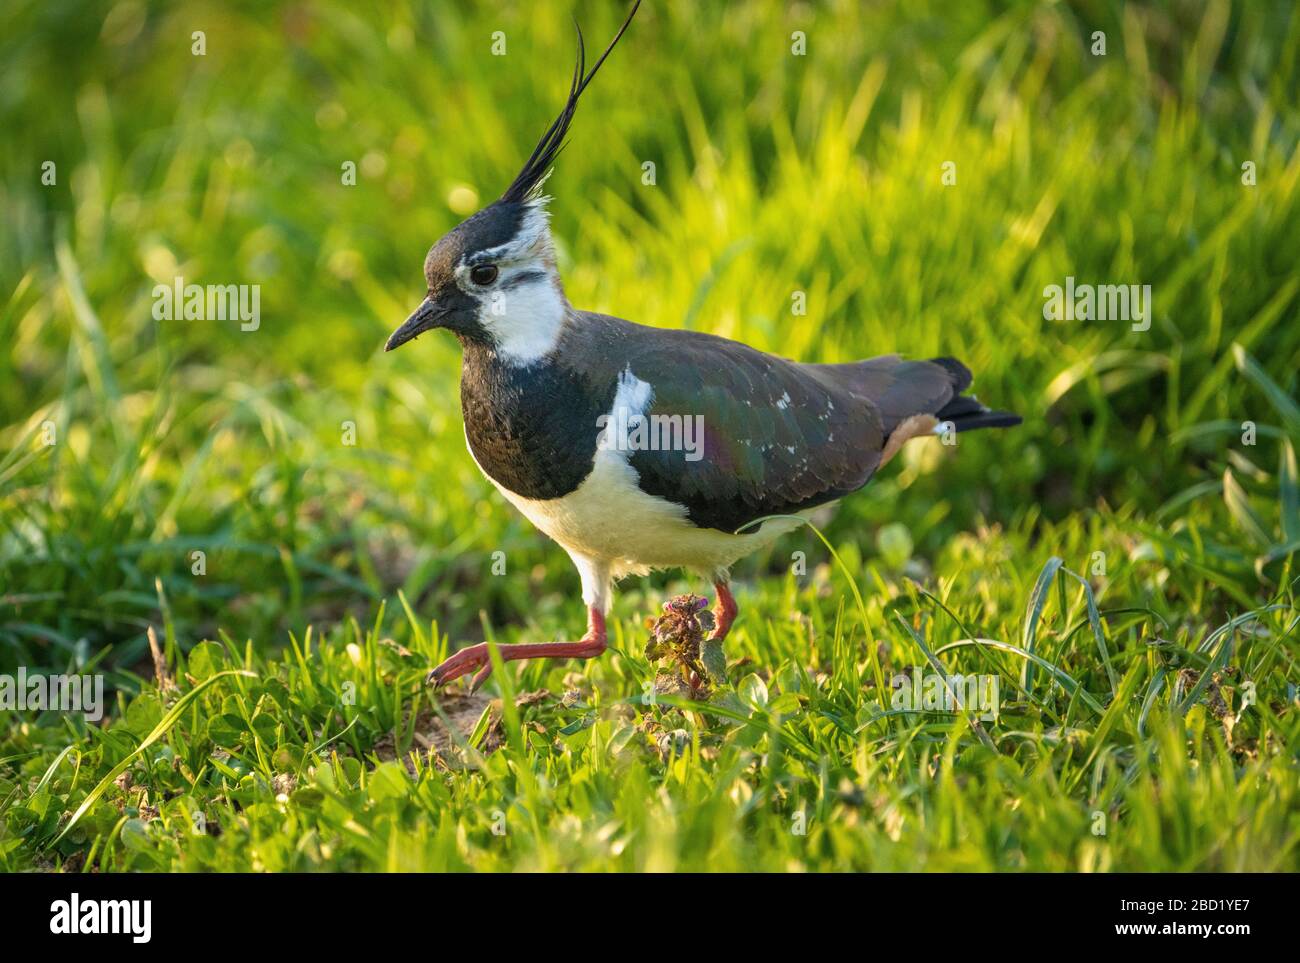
x: 908, y: 393
x: 964, y: 412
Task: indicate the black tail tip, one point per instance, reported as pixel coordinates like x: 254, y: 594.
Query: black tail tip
x: 985, y: 419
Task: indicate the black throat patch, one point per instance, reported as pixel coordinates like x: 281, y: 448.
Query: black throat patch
x: 532, y: 428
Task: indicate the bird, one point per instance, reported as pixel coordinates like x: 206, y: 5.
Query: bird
x: 566, y: 412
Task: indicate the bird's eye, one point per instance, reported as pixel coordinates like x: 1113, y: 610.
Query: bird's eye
x: 483, y: 274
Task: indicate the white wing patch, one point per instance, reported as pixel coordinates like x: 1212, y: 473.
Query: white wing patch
x: 633, y: 395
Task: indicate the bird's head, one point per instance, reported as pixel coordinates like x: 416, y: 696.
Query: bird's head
x: 492, y: 278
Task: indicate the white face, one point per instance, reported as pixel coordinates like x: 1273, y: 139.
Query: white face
x: 521, y: 303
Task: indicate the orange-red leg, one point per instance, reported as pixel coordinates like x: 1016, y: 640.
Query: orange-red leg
x: 724, y: 613
x: 475, y: 658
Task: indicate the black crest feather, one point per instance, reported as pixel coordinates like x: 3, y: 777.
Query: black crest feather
x: 527, y: 183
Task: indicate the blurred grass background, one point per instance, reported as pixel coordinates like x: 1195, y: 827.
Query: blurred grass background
x: 775, y: 173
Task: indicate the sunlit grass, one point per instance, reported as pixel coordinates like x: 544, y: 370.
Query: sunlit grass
x: 774, y: 174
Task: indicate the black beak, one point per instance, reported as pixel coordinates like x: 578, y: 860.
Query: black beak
x: 426, y: 316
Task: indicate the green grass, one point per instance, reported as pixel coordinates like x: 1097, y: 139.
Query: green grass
x: 1162, y: 688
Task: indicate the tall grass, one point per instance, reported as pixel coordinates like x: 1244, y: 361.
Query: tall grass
x: 774, y: 174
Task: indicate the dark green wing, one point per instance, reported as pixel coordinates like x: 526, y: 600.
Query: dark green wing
x: 775, y: 436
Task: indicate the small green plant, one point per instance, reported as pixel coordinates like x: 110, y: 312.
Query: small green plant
x: 681, y: 639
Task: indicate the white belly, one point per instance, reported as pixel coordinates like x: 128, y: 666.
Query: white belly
x: 609, y: 519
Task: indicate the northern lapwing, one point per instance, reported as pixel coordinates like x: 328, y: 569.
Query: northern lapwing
x: 640, y: 448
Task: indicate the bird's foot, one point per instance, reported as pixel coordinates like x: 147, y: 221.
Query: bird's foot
x: 475, y: 659
x: 478, y: 659
x: 724, y: 613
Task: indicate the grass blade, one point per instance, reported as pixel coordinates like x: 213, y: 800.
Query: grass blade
x: 1033, y: 612
x: 1282, y: 402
